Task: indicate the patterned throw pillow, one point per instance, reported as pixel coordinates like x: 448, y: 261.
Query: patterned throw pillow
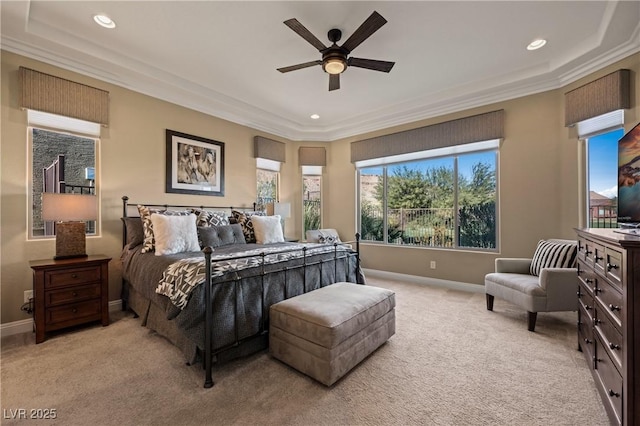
x: 207, y: 218
x: 244, y: 219
x: 550, y: 254
x: 147, y: 226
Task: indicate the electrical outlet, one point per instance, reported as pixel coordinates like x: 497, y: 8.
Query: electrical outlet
x: 28, y: 295
x: 433, y: 264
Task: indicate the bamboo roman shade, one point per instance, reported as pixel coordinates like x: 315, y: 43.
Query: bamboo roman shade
x: 55, y: 95
x: 609, y: 93
x: 269, y: 149
x: 312, y: 156
x: 477, y: 128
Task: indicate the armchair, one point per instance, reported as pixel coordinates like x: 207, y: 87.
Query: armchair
x: 553, y: 289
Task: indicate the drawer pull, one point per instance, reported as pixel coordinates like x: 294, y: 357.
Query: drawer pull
x: 587, y: 307
x: 611, y: 266
x: 579, y: 294
x: 613, y: 308
x: 612, y: 393
x: 588, y: 341
x: 597, y: 258
x: 74, y: 275
x: 588, y: 252
x: 588, y: 281
x: 74, y: 310
x: 597, y: 290
x: 597, y: 321
x: 614, y: 346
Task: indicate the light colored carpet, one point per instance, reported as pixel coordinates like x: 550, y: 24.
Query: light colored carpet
x: 451, y: 362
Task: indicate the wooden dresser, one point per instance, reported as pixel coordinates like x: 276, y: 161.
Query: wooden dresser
x: 609, y: 318
x: 70, y: 292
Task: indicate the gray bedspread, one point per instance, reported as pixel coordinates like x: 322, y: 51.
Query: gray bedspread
x: 240, y: 297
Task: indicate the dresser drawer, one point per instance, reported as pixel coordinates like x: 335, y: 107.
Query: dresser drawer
x: 585, y: 334
x: 610, y: 381
x: 611, y: 339
x: 610, y: 300
x: 599, y: 257
x: 66, y: 277
x: 65, y: 315
x: 587, y: 278
x: 585, y: 301
x: 613, y: 267
x: 71, y: 295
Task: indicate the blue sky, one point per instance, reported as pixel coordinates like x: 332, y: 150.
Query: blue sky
x: 603, y: 163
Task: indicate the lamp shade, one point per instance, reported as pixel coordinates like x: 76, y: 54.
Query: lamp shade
x: 69, y: 207
x: 282, y: 209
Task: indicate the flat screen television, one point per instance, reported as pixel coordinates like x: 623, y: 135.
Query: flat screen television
x: 629, y: 179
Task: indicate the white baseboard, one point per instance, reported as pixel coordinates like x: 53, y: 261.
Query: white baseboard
x: 454, y: 285
x: 26, y: 325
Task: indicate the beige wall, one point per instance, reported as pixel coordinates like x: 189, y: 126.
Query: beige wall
x: 539, y: 179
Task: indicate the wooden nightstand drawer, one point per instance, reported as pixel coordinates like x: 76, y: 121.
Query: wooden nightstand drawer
x: 610, y: 300
x: 61, y: 315
x: 610, y: 381
x: 613, y: 267
x: 72, y: 295
x: 68, y: 277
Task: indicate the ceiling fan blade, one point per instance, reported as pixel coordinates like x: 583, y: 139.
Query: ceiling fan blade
x: 364, y: 31
x: 299, y: 66
x: 303, y: 32
x: 371, y: 64
x: 334, y: 82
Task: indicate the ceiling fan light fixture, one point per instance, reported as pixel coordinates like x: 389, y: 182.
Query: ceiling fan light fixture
x: 334, y: 65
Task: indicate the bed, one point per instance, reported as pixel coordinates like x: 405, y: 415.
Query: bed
x: 246, y: 269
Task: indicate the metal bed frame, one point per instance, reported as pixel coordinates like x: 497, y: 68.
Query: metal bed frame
x: 263, y: 328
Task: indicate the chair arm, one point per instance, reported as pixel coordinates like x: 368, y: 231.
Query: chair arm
x: 513, y: 265
x: 561, y: 285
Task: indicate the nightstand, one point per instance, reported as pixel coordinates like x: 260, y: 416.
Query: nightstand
x: 69, y: 292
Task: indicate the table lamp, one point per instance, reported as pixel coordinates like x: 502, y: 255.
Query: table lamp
x: 69, y: 211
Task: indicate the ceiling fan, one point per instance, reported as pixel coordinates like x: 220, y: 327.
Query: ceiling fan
x: 335, y: 58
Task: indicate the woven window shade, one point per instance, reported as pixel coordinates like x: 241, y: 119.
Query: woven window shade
x: 312, y: 156
x: 47, y: 93
x: 269, y: 149
x: 609, y: 93
x: 477, y: 128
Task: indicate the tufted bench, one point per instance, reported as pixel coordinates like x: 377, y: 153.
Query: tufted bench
x: 327, y: 332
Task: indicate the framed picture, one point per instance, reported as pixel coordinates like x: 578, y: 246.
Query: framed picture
x: 195, y: 165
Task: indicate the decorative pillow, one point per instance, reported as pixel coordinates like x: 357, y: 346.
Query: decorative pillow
x: 244, y: 219
x: 268, y: 229
x: 147, y: 225
x: 218, y: 236
x: 323, y: 236
x: 550, y: 254
x: 174, y: 234
x: 133, y: 228
x: 208, y: 218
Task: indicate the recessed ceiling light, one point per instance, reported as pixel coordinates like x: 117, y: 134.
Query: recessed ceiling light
x: 104, y: 21
x: 315, y: 116
x: 536, y: 44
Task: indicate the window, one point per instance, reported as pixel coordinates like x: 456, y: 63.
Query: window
x: 60, y: 162
x: 311, y: 202
x: 267, y: 191
x: 447, y: 201
x: 602, y: 179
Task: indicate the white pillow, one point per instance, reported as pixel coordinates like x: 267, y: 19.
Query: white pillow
x: 174, y: 234
x: 267, y: 229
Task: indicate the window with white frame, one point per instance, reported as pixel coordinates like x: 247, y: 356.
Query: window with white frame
x: 62, y: 156
x: 439, y: 198
x: 601, y: 135
x: 311, y: 198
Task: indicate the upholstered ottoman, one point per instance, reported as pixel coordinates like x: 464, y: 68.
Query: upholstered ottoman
x: 327, y: 332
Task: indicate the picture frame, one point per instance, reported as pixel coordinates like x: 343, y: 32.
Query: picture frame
x: 195, y: 165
